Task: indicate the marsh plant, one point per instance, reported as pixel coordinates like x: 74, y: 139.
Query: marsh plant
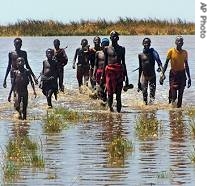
x: 165, y: 174
x: 125, y: 26
x: 191, y: 156
x: 147, y: 125
x: 20, y: 152
x: 191, y: 116
x: 118, y: 150
x: 58, y: 119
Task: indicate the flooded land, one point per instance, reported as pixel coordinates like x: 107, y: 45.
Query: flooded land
x: 79, y: 142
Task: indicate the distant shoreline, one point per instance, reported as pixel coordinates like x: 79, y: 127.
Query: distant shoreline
x: 125, y: 26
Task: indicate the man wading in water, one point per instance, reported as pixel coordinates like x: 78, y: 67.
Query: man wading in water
x: 12, y: 63
x: 97, y: 47
x: 147, y: 74
x: 83, y: 63
x: 114, y: 71
x: 98, y: 70
x: 22, y: 77
x: 177, y: 75
x: 62, y: 59
x: 49, y: 77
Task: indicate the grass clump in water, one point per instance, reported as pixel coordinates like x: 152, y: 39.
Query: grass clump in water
x: 66, y: 114
x: 57, y: 120
x: 118, y: 150
x: 20, y: 152
x: 147, y: 126
x: 191, y: 156
x: 191, y: 115
x: 165, y: 174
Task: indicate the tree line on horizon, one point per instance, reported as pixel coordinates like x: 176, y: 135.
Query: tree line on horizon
x: 125, y: 26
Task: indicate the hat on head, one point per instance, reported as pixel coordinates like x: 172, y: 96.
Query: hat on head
x: 105, y: 42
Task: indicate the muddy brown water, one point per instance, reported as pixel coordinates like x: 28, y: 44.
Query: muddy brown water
x: 78, y: 154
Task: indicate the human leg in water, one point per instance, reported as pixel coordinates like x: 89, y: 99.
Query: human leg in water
x: 49, y: 98
x: 169, y: 96
x: 25, y: 105
x: 17, y: 102
x: 173, y: 95
x: 152, y: 86
x: 118, y: 98
x: 110, y: 102
x: 145, y: 95
x: 180, y: 95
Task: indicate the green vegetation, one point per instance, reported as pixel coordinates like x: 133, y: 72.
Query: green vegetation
x: 191, y: 115
x: 56, y: 120
x: 118, y: 150
x: 21, y: 151
x: 191, y: 155
x: 165, y: 174
x: 125, y: 26
x: 190, y: 112
x: 147, y: 125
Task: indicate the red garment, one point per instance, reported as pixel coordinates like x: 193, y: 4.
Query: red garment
x: 98, y: 75
x: 114, y: 78
x: 177, y: 79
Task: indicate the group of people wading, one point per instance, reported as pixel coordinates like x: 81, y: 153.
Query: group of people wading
x: 103, y: 66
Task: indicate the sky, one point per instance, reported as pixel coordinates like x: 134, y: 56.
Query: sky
x: 69, y: 10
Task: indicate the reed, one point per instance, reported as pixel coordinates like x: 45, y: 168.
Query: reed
x: 191, y: 156
x: 67, y: 114
x: 53, y: 123
x: 125, y: 26
x: 190, y: 112
x: 20, y: 152
x: 166, y: 174
x: 118, y: 150
x: 147, y: 126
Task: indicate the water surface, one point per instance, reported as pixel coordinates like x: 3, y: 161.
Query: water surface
x: 78, y: 155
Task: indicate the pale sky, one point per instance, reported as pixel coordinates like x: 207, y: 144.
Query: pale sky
x: 69, y: 10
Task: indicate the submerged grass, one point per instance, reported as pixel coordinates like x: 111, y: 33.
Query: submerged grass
x: 20, y: 152
x: 165, y: 174
x: 59, y: 118
x: 118, y: 150
x: 56, y: 119
x: 190, y: 112
x: 191, y: 156
x: 125, y: 26
x: 147, y: 126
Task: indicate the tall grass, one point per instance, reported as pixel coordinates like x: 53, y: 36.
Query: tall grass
x: 21, y: 152
x: 190, y: 112
x: 147, y: 125
x: 125, y: 26
x: 118, y: 150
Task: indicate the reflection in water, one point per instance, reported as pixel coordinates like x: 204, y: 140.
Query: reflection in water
x: 177, y: 127
x: 147, y: 128
x: 178, y: 148
x: 96, y: 167
x: 112, y: 127
x: 78, y: 155
x: 147, y: 125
